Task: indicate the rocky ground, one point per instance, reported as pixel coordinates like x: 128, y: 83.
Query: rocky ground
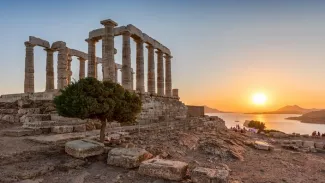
x: 27, y: 161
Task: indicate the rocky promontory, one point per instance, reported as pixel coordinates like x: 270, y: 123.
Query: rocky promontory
x: 311, y: 117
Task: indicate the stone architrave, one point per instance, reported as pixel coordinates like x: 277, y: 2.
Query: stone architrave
x: 29, y: 68
x: 139, y: 66
x: 160, y: 73
x: 69, y: 69
x: 81, y: 67
x: 63, y: 67
x: 151, y: 70
x: 49, y: 70
x: 108, y: 50
x: 168, y: 79
x: 126, y: 61
x: 92, y: 64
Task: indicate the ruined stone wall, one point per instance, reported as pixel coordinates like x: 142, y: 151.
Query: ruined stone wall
x: 195, y: 111
x: 161, y: 108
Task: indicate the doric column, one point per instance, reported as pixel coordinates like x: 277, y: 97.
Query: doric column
x: 160, y: 74
x: 126, y: 61
x: 168, y: 79
x: 49, y: 70
x: 92, y: 63
x: 82, y: 63
x: 108, y: 50
x: 63, y: 67
x: 69, y: 69
x: 151, y: 70
x: 139, y: 66
x: 29, y: 68
x: 132, y: 80
x: 116, y: 75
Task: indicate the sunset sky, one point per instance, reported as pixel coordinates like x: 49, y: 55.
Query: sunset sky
x: 224, y: 51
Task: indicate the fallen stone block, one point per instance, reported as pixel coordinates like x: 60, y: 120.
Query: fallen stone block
x: 261, y: 145
x: 298, y: 143
x: 166, y: 169
x: 309, y: 144
x: 127, y: 157
x: 84, y: 148
x: 62, y: 129
x: 39, y: 124
x: 204, y: 175
x: 79, y: 128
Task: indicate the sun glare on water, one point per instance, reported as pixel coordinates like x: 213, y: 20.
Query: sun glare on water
x: 259, y: 98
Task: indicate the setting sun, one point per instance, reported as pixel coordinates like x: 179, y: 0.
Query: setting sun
x: 259, y: 98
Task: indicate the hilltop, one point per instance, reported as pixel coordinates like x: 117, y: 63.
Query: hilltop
x: 311, y: 117
x: 288, y: 109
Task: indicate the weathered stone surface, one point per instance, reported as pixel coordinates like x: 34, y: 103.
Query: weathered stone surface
x: 19, y: 132
x: 278, y: 134
x: 39, y: 124
x: 79, y: 128
x: 261, y: 145
x: 62, y: 129
x: 309, y: 144
x: 127, y: 157
x: 298, y: 143
x: 204, y: 175
x: 29, y: 111
x: 166, y: 169
x: 84, y: 148
x: 35, y: 117
x: 8, y: 111
x: 10, y: 118
x: 57, y: 139
x: 39, y: 42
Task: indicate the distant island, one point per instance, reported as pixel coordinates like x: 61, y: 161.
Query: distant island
x: 211, y: 110
x: 311, y: 117
x: 289, y: 109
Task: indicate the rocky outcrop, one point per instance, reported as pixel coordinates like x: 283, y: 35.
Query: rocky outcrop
x: 127, y: 157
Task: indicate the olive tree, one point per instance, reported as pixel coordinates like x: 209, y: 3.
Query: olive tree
x: 93, y: 99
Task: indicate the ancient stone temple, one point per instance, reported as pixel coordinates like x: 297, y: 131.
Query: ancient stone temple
x: 157, y: 105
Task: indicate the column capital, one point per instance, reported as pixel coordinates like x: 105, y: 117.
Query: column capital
x: 108, y: 22
x: 149, y: 46
x: 159, y: 52
x: 49, y: 50
x: 28, y: 44
x: 92, y: 40
x: 126, y: 33
x: 81, y: 59
x: 138, y: 40
x: 168, y: 56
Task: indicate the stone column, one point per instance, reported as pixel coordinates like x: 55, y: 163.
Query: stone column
x: 116, y: 75
x: 82, y: 63
x: 126, y: 61
x: 160, y: 72
x: 168, y: 79
x: 108, y: 50
x: 69, y: 69
x: 49, y: 70
x: 63, y: 67
x: 92, y: 63
x: 132, y: 80
x: 29, y: 68
x: 151, y: 70
x: 139, y: 66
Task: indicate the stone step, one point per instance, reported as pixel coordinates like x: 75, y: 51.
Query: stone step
x: 9, y: 118
x: 19, y: 132
x: 35, y: 117
x: 57, y: 138
x: 8, y: 111
x: 24, y: 111
x: 39, y: 124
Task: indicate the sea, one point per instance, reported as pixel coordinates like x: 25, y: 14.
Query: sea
x: 272, y: 121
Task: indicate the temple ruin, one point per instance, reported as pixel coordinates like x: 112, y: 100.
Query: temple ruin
x: 156, y: 104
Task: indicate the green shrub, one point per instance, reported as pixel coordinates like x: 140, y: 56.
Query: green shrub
x: 257, y: 125
x: 106, y: 101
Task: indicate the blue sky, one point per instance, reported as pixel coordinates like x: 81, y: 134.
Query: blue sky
x: 223, y: 50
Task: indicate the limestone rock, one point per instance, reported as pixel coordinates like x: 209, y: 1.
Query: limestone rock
x: 166, y: 169
x: 127, y: 157
x: 203, y: 175
x: 24, y: 111
x: 19, y: 132
x: 62, y: 129
x: 278, y: 134
x: 10, y: 118
x: 319, y: 145
x: 8, y: 111
x: 79, y: 128
x: 84, y: 148
x: 261, y: 145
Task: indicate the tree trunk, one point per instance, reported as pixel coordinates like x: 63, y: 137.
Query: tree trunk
x: 102, y: 131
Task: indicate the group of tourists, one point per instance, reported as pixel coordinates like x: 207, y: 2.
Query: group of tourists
x: 317, y: 134
x: 238, y: 129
